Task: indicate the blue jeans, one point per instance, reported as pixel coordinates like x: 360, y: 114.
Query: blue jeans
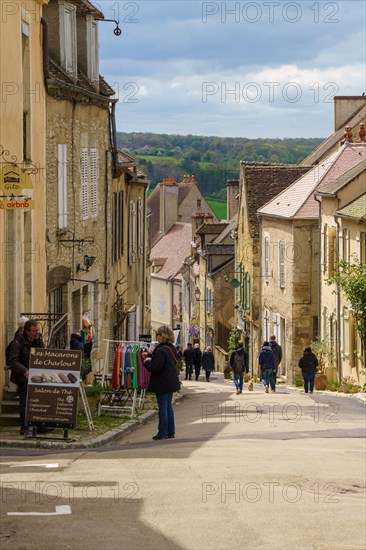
x: 266, y: 376
x: 272, y: 379
x: 22, y: 390
x: 166, y: 414
x: 308, y: 379
x: 238, y: 380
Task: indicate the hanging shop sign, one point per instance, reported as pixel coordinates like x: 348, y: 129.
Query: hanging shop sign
x: 16, y: 204
x: 53, y: 387
x: 13, y: 180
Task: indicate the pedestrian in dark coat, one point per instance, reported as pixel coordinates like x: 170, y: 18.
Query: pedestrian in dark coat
x: 208, y: 362
x: 267, y: 364
x: 164, y: 379
x: 19, y: 364
x: 239, y: 364
x: 277, y: 352
x: 308, y: 364
x: 197, y: 356
x: 188, y: 359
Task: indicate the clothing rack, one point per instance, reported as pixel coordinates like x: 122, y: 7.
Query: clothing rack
x: 124, y: 398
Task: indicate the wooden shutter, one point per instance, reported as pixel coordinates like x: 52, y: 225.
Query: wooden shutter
x: 84, y: 183
x: 266, y: 256
x: 93, y: 182
x: 62, y: 185
x: 281, y: 250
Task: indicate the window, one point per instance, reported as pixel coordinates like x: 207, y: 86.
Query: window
x: 345, y: 251
x: 198, y: 203
x: 325, y: 324
x: 266, y: 256
x: 332, y: 252
x: 140, y: 227
x: 281, y: 263
x: 345, y: 331
x: 68, y: 47
x: 92, y: 46
x: 276, y: 327
x: 55, y: 301
x: 62, y: 185
x: 117, y: 226
x: 132, y: 234
x: 26, y: 92
x: 362, y: 255
x: 266, y: 325
x: 325, y: 248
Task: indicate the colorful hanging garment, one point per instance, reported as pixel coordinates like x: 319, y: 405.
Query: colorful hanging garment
x: 143, y: 373
x: 116, y: 374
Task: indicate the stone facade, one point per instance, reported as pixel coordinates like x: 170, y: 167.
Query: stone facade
x: 289, y: 307
x: 22, y: 141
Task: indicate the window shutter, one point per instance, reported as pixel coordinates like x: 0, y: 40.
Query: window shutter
x: 266, y: 257
x: 282, y: 263
x: 84, y: 183
x: 132, y: 233
x: 93, y: 182
x: 332, y: 253
x: 325, y: 248
x: 62, y: 185
x: 140, y: 224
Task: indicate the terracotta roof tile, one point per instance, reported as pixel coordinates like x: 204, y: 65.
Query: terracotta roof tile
x: 323, y: 149
x: 355, y: 209
x: 82, y: 81
x: 332, y: 187
x: 297, y: 201
x: 173, y: 247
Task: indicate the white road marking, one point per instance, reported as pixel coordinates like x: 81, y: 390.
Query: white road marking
x: 34, y: 465
x: 60, y: 511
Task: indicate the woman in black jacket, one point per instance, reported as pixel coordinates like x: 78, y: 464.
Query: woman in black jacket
x: 164, y: 380
x: 308, y: 364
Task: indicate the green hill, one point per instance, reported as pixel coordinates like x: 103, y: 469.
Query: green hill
x: 212, y: 160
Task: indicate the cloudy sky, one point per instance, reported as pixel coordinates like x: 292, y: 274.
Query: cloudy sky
x: 249, y: 69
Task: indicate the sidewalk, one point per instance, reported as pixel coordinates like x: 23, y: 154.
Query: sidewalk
x: 9, y: 436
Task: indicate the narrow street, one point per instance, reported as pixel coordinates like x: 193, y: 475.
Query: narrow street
x: 269, y: 471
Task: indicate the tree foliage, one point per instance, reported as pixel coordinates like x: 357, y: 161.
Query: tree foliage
x: 351, y: 279
x: 212, y: 160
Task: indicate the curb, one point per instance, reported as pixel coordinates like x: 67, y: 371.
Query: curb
x: 99, y: 441
x: 360, y: 395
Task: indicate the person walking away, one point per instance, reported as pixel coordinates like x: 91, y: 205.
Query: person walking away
x: 19, y: 364
x: 197, y: 356
x: 208, y: 362
x: 267, y: 364
x: 188, y: 359
x: 277, y: 352
x: 164, y: 381
x: 239, y: 364
x: 308, y: 364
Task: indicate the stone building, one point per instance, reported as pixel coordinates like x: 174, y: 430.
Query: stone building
x: 289, y: 260
x: 172, y: 202
x: 22, y: 168
x: 96, y: 196
x: 343, y: 237
x: 259, y: 182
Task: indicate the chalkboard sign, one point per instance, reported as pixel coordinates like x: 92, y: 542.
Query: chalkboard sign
x: 53, y: 387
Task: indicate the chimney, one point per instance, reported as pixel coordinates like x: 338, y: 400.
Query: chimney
x: 345, y: 107
x: 168, y: 211
x: 362, y: 131
x: 232, y: 191
x: 347, y: 136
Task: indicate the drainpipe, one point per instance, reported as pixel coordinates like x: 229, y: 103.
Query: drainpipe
x: 339, y: 355
x: 319, y: 263
x: 46, y: 68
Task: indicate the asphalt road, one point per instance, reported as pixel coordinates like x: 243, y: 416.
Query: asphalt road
x: 253, y: 471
